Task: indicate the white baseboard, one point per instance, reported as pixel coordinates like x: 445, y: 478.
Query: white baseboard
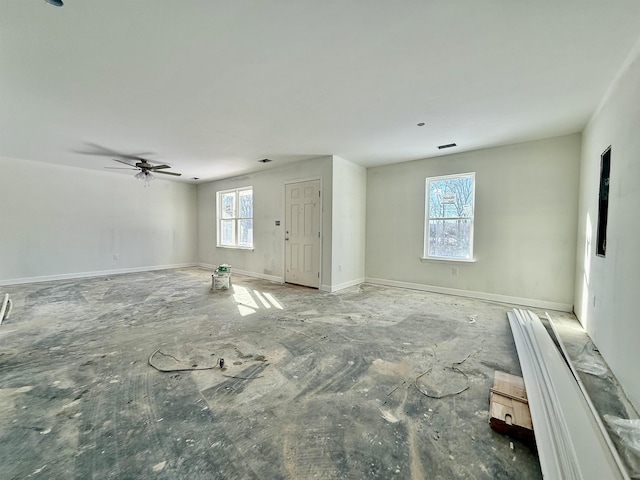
x: 207, y: 266
x: 100, y: 273
x: 342, y: 286
x: 262, y: 276
x: 528, y: 302
x: 273, y: 278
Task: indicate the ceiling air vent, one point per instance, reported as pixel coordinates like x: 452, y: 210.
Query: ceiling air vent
x: 448, y: 145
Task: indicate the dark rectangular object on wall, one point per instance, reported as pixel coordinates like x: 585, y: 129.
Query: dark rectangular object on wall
x: 603, y: 202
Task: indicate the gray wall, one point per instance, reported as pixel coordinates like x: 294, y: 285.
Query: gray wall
x: 525, y: 224
x: 266, y: 260
x: 607, y: 288
x: 62, y: 221
x: 343, y: 186
x: 349, y: 215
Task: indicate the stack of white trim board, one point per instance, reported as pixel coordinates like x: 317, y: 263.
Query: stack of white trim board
x: 570, y: 436
x: 5, y: 310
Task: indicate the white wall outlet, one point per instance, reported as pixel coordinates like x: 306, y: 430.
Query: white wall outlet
x: 454, y: 270
x: 340, y: 267
x: 116, y: 256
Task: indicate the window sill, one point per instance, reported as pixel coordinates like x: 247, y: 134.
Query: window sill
x: 448, y: 260
x: 229, y: 247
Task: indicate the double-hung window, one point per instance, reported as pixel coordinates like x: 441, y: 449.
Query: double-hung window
x: 449, y: 217
x: 235, y: 218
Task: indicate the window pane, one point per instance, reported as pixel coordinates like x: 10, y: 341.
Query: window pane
x: 450, y: 238
x: 246, y: 204
x: 451, y: 197
x: 245, y: 233
x: 226, y: 232
x: 227, y: 205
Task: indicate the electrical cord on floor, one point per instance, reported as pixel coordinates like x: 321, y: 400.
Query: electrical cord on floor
x: 455, y: 369
x: 446, y: 394
x: 186, y: 369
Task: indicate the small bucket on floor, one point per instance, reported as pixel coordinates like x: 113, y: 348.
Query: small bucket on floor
x: 219, y: 282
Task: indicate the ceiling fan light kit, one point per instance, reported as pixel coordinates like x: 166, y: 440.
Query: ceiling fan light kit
x: 145, y: 169
x: 145, y: 176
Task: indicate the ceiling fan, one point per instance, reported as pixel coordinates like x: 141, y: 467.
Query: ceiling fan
x: 144, y: 168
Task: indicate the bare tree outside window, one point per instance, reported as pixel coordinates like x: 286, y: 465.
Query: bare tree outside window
x: 245, y: 218
x: 449, y: 217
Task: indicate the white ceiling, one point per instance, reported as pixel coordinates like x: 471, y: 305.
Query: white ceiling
x: 212, y: 86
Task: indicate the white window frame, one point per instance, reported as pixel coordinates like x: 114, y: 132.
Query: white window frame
x: 427, y: 218
x: 235, y: 218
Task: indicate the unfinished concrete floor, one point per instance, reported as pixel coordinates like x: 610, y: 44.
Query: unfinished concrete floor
x: 314, y: 385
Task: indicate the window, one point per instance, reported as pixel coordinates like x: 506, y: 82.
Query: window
x: 235, y: 218
x: 603, y: 202
x: 449, y: 217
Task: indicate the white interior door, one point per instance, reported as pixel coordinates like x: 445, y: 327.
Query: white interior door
x: 302, y: 233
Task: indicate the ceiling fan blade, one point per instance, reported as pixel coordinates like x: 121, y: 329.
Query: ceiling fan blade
x: 159, y: 167
x: 168, y: 173
x: 120, y: 168
x: 122, y: 161
x: 133, y: 157
x: 99, y: 150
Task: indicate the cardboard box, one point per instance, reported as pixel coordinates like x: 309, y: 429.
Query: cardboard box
x: 508, y: 407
